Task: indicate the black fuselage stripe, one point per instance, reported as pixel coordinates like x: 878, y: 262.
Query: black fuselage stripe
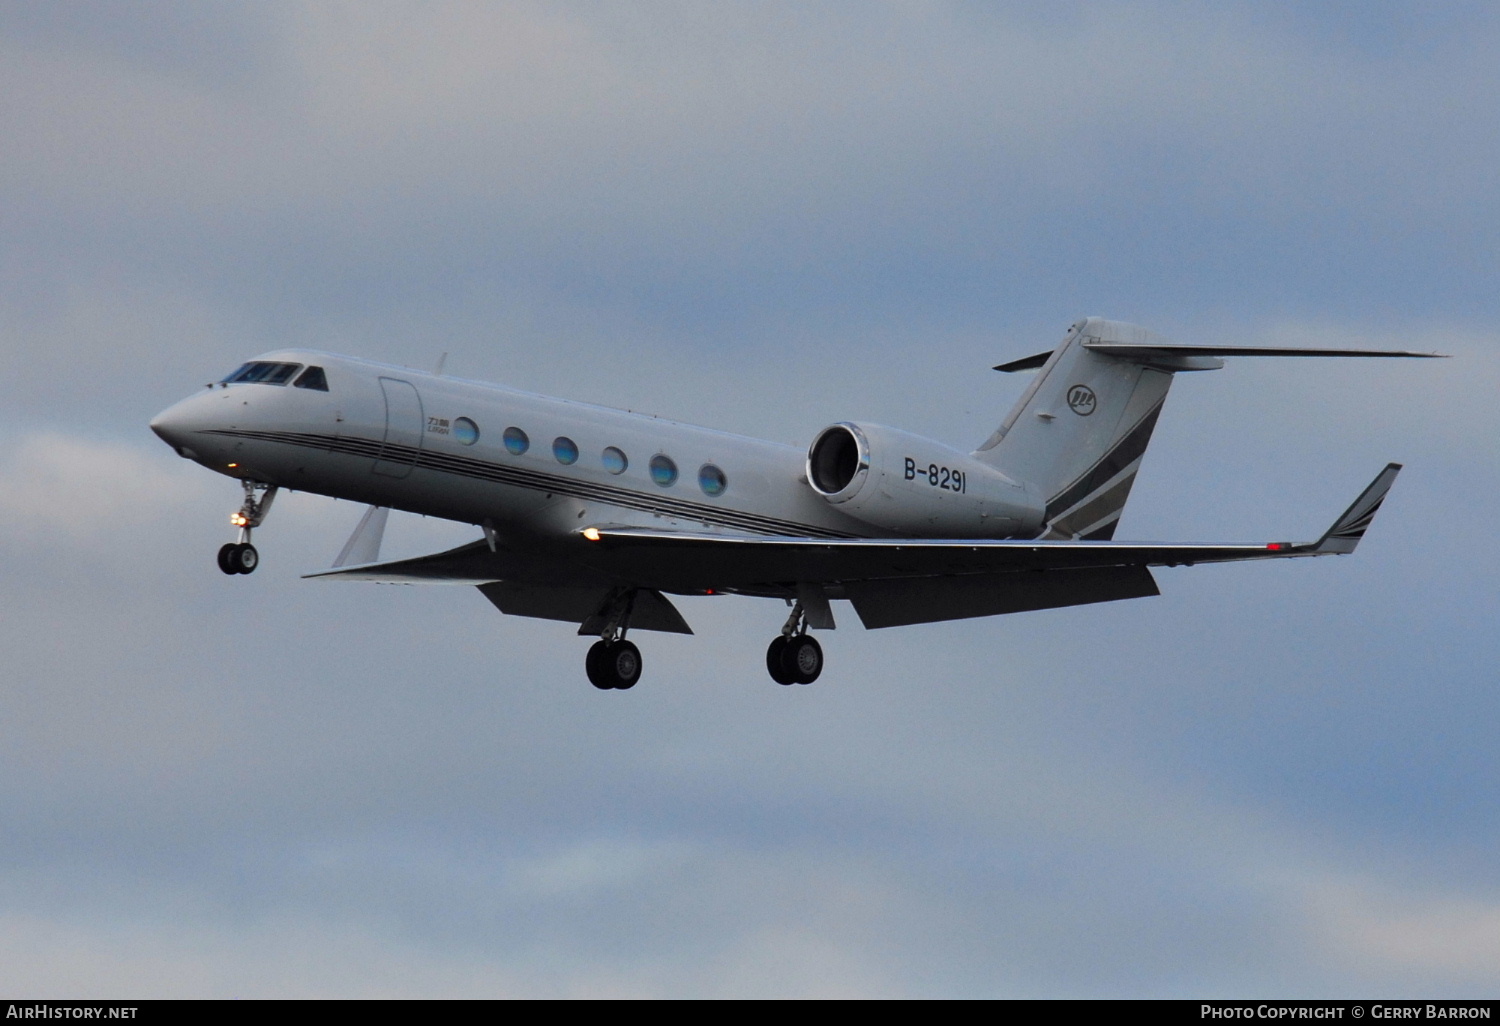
x: 482, y: 470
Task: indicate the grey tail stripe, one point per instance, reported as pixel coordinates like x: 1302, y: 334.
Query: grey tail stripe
x: 1121, y: 455
x: 1101, y: 506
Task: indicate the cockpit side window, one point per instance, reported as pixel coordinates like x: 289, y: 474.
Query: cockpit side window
x: 312, y: 378
x: 263, y: 373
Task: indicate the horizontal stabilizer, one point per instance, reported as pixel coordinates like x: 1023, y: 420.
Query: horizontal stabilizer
x: 1148, y: 350
x: 1169, y: 352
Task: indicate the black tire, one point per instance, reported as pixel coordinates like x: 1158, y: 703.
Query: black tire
x: 774, y: 663
x: 802, y: 660
x: 226, y: 559
x: 624, y: 662
x: 593, y: 664
x: 246, y: 558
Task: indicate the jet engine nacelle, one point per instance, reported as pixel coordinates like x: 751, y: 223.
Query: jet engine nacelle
x: 906, y: 483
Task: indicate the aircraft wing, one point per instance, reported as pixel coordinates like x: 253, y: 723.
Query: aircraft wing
x: 833, y: 559
x: 891, y: 581
x: 900, y: 581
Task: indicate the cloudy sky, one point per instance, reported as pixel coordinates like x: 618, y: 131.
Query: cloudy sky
x: 1272, y: 780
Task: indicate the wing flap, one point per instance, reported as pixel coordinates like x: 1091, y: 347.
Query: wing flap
x: 896, y: 603
x: 650, y: 610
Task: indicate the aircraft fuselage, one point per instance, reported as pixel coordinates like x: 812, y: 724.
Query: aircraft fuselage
x: 475, y: 452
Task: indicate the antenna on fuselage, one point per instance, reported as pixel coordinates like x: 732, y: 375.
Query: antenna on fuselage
x: 437, y: 371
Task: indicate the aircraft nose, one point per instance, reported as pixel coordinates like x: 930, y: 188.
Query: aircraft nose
x: 172, y: 426
x: 167, y: 424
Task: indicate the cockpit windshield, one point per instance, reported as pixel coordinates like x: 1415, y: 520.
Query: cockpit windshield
x: 312, y: 378
x: 263, y: 373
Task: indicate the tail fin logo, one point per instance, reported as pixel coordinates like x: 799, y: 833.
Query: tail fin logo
x: 1081, y: 400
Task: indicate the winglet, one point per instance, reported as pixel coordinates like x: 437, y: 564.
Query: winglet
x: 1348, y: 529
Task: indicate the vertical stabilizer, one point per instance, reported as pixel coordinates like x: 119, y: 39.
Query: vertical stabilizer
x: 1080, y: 430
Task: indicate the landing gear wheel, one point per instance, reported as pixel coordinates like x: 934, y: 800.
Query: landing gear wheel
x: 613, y: 665
x: 802, y: 659
x: 774, y: 664
x: 624, y: 663
x: 238, y: 559
x: 592, y: 665
x: 241, y: 557
x: 247, y: 559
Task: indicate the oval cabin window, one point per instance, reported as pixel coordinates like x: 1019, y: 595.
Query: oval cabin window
x: 516, y: 441
x: 663, y: 470
x: 712, y: 480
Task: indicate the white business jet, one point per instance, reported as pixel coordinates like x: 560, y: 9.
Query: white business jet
x: 594, y: 516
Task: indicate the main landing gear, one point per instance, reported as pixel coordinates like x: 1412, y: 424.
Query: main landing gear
x: 240, y: 557
x: 614, y: 664
x: 795, y: 657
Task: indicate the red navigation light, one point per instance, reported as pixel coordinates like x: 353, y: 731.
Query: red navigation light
x: 1274, y: 546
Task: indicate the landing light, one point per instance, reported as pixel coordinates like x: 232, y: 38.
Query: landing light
x: 591, y: 533
x: 239, y: 520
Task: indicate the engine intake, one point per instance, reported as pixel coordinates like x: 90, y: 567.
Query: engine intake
x: 908, y: 484
x: 838, y: 458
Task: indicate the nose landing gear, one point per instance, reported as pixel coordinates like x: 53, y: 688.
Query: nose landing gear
x: 794, y: 657
x: 240, y: 557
